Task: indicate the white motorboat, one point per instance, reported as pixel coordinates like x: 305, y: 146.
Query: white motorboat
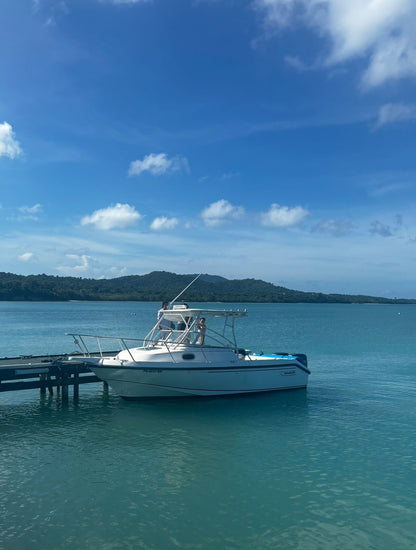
x: 190, y: 352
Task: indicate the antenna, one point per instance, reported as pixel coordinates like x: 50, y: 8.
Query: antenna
x: 186, y: 288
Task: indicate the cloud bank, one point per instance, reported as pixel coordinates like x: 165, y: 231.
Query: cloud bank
x: 379, y: 31
x: 9, y: 146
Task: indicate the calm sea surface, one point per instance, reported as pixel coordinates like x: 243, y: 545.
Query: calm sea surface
x: 330, y: 467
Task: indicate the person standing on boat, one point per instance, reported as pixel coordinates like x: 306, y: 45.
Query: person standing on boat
x: 183, y: 323
x: 202, y: 328
x: 164, y: 326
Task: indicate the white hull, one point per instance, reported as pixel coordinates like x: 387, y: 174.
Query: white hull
x: 147, y: 380
x: 183, y: 355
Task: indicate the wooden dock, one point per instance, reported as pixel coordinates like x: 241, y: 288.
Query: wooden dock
x: 48, y: 373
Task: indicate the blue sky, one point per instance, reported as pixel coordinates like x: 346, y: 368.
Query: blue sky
x: 272, y: 139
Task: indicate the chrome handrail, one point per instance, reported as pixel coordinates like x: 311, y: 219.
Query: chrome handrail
x: 79, y: 340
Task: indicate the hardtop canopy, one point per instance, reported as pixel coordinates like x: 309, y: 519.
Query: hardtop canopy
x: 178, y: 313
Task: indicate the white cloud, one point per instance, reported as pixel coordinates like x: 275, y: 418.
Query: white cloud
x: 119, y: 215
x: 296, y: 63
x: 380, y: 31
x: 229, y: 176
x: 117, y: 271
x: 392, y: 60
x: 283, y: 216
x: 26, y: 256
x: 338, y: 228
x: 378, y: 228
x: 84, y: 261
x: 382, y: 184
x: 9, y: 146
x: 395, y: 112
x: 51, y: 12
x: 163, y: 224
x: 29, y: 212
x: 82, y: 264
x: 30, y: 209
x: 158, y: 164
x: 220, y: 212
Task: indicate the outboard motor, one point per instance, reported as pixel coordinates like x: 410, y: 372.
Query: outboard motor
x: 301, y: 357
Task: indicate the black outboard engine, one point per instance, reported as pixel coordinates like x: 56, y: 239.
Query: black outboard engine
x: 301, y: 357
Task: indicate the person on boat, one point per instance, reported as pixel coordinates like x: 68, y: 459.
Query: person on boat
x: 188, y: 323
x: 202, y: 328
x: 184, y: 326
x: 164, y: 326
x: 183, y: 323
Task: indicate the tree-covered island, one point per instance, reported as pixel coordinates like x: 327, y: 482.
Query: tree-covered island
x: 161, y: 285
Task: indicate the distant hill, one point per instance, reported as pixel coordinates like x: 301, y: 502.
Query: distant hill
x: 161, y: 285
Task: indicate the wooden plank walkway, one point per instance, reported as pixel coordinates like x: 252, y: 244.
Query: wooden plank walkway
x: 45, y: 372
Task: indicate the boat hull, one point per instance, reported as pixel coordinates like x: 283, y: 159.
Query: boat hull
x: 136, y: 381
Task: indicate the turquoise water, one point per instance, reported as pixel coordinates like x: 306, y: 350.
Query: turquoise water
x: 332, y: 467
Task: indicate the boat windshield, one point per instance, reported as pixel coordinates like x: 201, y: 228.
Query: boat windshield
x: 191, y: 326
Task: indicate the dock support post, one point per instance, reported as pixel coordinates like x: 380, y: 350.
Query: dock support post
x: 76, y: 386
x: 42, y: 378
x: 64, y: 382
x: 50, y: 387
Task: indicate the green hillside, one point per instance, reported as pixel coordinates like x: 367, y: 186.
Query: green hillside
x: 161, y: 285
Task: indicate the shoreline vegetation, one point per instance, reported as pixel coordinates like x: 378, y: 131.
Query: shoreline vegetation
x: 158, y: 286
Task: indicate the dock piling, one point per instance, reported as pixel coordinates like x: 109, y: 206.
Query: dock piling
x: 76, y: 386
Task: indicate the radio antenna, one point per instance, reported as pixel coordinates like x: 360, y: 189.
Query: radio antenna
x: 186, y: 288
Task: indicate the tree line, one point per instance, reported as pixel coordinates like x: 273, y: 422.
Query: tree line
x: 161, y: 285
